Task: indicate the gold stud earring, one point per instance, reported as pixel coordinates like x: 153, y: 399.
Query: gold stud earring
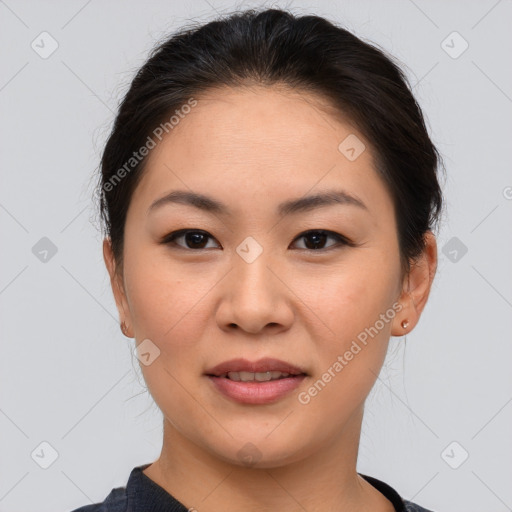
x: 404, y: 324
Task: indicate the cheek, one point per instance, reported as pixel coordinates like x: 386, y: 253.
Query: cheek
x: 351, y: 356
x: 167, y: 309
x: 169, y: 306
x: 353, y: 298
x: 165, y: 298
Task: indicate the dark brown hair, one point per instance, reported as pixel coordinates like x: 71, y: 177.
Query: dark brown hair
x: 306, y: 53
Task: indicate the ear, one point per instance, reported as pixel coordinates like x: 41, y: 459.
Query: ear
x: 416, y: 287
x: 118, y: 289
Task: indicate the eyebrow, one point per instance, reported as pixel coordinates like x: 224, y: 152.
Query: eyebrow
x: 303, y: 204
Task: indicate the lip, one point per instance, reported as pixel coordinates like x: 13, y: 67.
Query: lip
x: 254, y: 392
x: 267, y: 364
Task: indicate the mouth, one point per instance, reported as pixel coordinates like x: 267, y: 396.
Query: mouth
x: 259, y: 382
x: 256, y: 376
x: 260, y: 369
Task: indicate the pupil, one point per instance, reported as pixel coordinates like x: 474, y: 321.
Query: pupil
x: 317, y: 238
x: 196, y: 239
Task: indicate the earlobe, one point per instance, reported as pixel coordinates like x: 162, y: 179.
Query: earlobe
x: 416, y: 288
x: 117, y: 288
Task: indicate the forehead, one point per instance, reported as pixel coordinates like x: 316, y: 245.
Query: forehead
x: 260, y: 141
x: 264, y: 122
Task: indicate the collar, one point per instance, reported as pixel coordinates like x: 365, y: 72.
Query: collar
x: 145, y: 494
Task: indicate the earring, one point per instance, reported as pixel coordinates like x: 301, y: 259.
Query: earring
x: 404, y: 324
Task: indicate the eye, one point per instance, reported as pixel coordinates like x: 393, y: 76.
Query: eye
x: 195, y: 238
x: 318, y: 237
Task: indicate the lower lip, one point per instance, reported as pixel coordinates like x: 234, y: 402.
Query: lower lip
x: 256, y: 392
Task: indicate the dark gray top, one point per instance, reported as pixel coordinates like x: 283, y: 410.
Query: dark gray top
x: 142, y: 494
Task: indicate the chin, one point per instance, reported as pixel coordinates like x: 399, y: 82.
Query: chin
x: 259, y: 452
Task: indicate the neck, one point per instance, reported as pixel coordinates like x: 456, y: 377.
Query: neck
x: 325, y: 481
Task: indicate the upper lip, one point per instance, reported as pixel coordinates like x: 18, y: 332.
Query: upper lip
x: 266, y: 364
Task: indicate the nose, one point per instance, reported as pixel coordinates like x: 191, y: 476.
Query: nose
x: 254, y: 296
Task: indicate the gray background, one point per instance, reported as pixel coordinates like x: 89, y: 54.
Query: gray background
x: 68, y: 377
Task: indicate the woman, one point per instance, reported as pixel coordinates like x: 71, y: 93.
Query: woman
x: 269, y: 194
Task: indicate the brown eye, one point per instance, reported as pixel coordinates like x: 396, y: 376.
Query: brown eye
x: 194, y: 239
x: 316, y: 239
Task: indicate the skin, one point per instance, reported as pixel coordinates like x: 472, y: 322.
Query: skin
x: 252, y: 149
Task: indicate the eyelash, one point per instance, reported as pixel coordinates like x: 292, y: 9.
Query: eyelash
x: 342, y: 241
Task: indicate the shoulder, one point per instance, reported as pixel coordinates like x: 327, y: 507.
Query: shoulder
x: 413, y: 507
x: 400, y: 504
x: 116, y: 501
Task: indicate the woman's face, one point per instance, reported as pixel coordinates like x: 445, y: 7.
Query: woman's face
x: 250, y: 285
